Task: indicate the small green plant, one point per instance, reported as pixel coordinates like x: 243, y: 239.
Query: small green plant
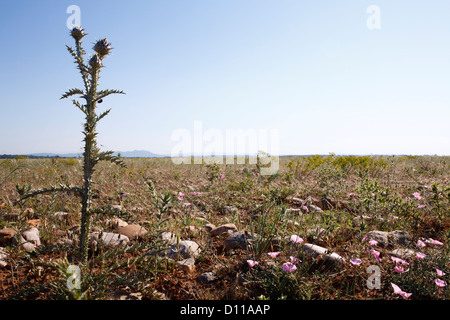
x: 330, y: 179
x: 213, y: 172
x: 264, y: 229
x: 439, y: 199
x: 163, y: 202
x: 380, y: 202
x: 292, y: 171
x: 276, y: 284
x: 279, y: 194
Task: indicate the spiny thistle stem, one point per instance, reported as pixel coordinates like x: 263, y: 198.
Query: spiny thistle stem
x: 78, y: 33
x: 88, y: 164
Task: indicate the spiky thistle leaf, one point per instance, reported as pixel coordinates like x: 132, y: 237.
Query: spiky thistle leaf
x: 83, y: 68
x: 104, y: 114
x: 72, y: 92
x: 104, y: 93
x: 25, y: 191
x: 80, y: 106
x: 108, y: 156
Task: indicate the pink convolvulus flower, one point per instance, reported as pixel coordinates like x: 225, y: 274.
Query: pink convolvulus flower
x: 399, y: 269
x: 440, y: 283
x: 421, y: 244
x: 273, y: 254
x: 399, y: 291
x: 294, y: 260
x: 398, y: 260
x: 289, y: 267
x: 436, y: 242
x: 421, y: 206
x: 420, y: 255
x: 440, y: 273
x: 356, y: 261
x: 417, y: 196
x: 364, y: 239
x: 222, y: 176
x: 305, y: 208
x: 296, y: 239
x: 187, y: 204
x: 376, y: 254
x: 373, y: 242
x: 252, y: 263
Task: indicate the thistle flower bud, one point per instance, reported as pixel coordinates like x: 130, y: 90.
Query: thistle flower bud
x: 95, y: 62
x: 77, y: 33
x: 103, y: 47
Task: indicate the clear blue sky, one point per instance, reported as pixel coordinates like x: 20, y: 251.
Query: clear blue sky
x: 310, y: 69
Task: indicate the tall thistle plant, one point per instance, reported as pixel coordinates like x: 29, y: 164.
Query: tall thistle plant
x: 90, y: 74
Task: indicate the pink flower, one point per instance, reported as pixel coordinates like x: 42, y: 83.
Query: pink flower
x: 421, y: 206
x: 305, y: 208
x: 398, y: 260
x: 399, y: 291
x: 421, y: 244
x: 405, y: 295
x: 356, y: 261
x: 441, y: 195
x: 187, y: 204
x: 195, y: 193
x: 252, y: 263
x: 399, y: 269
x: 222, y: 176
x: 417, y: 196
x: 289, y: 267
x: 440, y: 283
x: 181, y: 194
x: 420, y: 255
x: 373, y: 242
x: 436, y: 242
x: 296, y: 239
x: 294, y: 260
x: 273, y: 254
x: 364, y: 239
x: 180, y: 198
x: 440, y: 273
x: 376, y: 254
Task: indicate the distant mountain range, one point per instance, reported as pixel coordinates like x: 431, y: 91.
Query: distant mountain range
x: 148, y: 154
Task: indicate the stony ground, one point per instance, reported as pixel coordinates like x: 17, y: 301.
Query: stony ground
x: 321, y: 228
